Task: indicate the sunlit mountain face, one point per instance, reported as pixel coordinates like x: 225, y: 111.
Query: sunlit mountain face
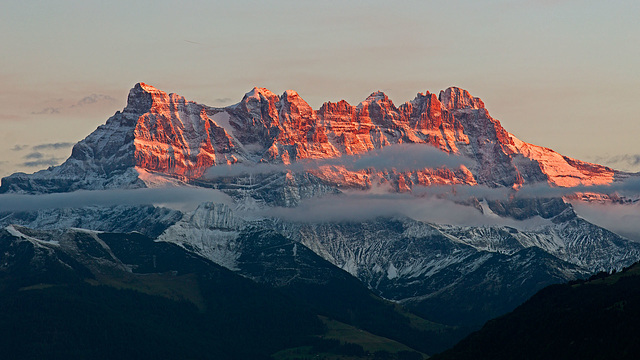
x: 167, y: 135
x: 431, y: 205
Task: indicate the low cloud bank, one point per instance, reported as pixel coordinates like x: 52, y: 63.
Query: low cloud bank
x: 180, y: 198
x: 464, y: 192
x: 441, y: 205
x: 627, y: 187
x: 361, y: 206
x: 629, y: 159
x: 402, y: 157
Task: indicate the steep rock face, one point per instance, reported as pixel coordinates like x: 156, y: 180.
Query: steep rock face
x: 155, y: 133
x: 561, y: 170
x: 256, y: 118
x: 488, y: 141
x: 104, y: 159
x: 285, y: 129
x: 178, y: 137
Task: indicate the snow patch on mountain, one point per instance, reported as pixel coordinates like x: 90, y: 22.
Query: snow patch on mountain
x: 38, y: 242
x: 211, y: 230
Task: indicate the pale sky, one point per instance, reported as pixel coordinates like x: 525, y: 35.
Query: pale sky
x: 560, y: 74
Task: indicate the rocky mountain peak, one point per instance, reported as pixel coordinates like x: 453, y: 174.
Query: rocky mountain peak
x: 377, y: 96
x: 341, y: 106
x: 259, y: 105
x: 139, y: 100
x: 147, y: 88
x: 290, y: 94
x: 259, y: 93
x: 142, y: 98
x: 292, y: 103
x: 456, y: 98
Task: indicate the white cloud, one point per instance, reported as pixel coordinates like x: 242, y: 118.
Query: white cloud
x: 402, y: 157
x: 627, y: 187
x: 361, y: 206
x: 181, y: 198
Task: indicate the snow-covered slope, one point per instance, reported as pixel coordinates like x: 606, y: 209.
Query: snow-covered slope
x: 489, y: 269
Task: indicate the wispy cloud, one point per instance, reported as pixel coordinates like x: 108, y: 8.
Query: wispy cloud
x: 42, y: 162
x: 47, y: 111
x: 182, y: 198
x: 627, y: 187
x: 92, y: 99
x: 242, y: 169
x: 629, y: 159
x: 444, y: 205
x: 34, y: 155
x: 464, y: 192
x: 11, y: 117
x: 361, y: 206
x: 53, y: 146
x: 39, y: 156
x: 41, y: 147
x: 405, y: 157
x: 19, y: 147
x: 61, y: 104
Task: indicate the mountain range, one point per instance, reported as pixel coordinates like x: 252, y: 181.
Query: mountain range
x: 339, y: 210
x: 165, y: 134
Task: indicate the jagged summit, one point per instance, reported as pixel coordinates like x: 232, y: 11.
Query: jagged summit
x: 164, y: 136
x: 141, y: 98
x: 258, y: 92
x: 290, y: 94
x: 146, y: 87
x: 377, y: 96
x: 457, y: 98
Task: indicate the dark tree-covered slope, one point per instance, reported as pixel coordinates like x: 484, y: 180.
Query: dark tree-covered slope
x: 594, y: 319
